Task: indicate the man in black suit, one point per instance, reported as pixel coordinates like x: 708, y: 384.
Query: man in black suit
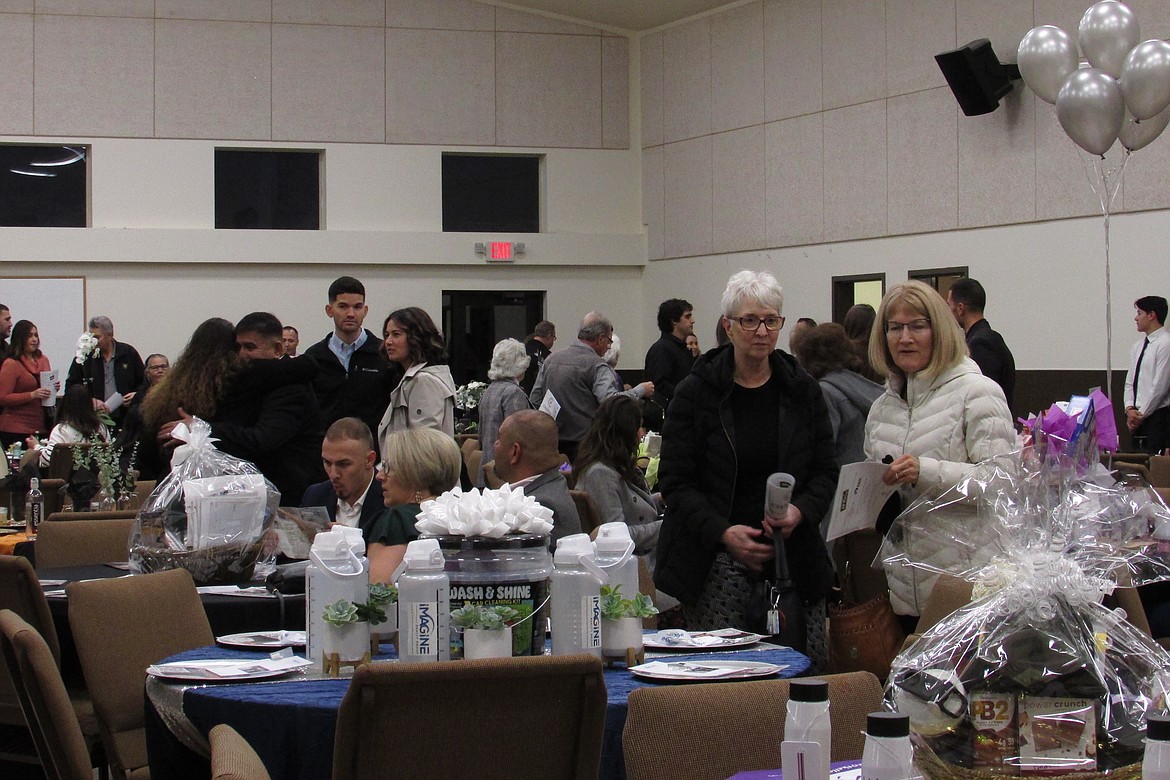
x: 538, y: 346
x: 526, y: 456
x: 988, y: 349
x: 350, y: 495
x: 113, y: 375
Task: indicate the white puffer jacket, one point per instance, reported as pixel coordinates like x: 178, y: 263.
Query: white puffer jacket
x: 949, y: 422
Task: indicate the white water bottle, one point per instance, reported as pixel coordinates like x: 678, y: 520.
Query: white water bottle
x: 1156, y: 763
x: 807, y: 741
x: 888, y: 754
x: 615, y: 554
x: 337, y: 570
x: 424, y: 603
x: 576, y: 597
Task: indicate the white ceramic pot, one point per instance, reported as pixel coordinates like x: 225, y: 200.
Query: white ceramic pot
x: 351, y: 642
x: 618, y: 635
x: 487, y: 643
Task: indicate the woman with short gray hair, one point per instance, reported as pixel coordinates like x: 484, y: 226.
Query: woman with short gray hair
x: 745, y: 411
x: 502, y: 397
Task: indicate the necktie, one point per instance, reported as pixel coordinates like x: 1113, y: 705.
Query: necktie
x: 1137, y: 371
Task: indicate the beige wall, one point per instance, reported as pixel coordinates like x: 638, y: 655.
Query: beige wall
x: 383, y: 87
x: 818, y: 138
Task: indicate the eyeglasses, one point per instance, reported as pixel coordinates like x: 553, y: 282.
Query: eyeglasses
x: 918, y: 326
x: 752, y: 322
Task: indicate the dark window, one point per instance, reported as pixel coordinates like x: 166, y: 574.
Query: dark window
x: 491, y: 193
x: 940, y: 279
x: 267, y: 189
x: 43, y: 186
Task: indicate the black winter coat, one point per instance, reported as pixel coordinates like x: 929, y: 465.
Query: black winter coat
x: 698, y: 468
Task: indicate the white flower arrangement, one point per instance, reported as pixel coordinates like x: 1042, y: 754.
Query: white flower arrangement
x: 467, y: 396
x: 87, y: 347
x: 491, y: 513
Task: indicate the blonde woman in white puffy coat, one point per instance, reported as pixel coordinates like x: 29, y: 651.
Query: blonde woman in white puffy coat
x: 938, y: 415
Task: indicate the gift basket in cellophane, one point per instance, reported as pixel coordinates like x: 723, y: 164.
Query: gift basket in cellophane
x: 211, y: 515
x: 1035, y: 677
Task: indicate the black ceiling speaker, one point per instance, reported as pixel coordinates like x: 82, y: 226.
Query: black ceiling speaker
x: 976, y: 76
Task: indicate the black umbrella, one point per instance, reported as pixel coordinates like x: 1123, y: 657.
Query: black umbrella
x: 786, y: 610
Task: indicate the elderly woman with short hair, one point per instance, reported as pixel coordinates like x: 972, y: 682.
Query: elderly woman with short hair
x: 503, y: 396
x: 417, y: 464
x: 745, y: 412
x: 937, y: 416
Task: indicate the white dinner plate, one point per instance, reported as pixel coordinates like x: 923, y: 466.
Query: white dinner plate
x: 706, y: 670
x: 264, y: 639
x: 227, y: 671
x: 700, y: 641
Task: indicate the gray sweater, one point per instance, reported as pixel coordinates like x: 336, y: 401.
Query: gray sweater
x: 619, y: 501
x: 849, y: 396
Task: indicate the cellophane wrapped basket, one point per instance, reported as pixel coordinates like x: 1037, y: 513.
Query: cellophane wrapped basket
x: 211, y: 515
x: 1035, y: 677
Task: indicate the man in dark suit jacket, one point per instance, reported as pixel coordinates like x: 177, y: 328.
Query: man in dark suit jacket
x: 526, y: 456
x: 116, y: 369
x: 351, y: 495
x: 538, y: 346
x: 988, y: 349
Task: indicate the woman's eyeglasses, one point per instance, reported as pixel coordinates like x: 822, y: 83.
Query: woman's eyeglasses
x: 752, y: 322
x: 916, y: 327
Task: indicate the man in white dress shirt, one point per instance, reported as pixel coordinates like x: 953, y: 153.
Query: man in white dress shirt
x: 1147, y: 385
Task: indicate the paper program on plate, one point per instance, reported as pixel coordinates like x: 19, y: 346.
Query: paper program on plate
x: 695, y: 669
x: 859, y: 498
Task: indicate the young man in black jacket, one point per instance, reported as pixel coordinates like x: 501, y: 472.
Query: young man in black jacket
x: 354, y: 378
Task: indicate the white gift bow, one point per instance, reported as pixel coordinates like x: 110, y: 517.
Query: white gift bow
x: 196, y: 437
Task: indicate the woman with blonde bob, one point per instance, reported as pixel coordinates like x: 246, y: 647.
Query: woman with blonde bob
x: 937, y: 416
x: 417, y: 464
x: 503, y: 396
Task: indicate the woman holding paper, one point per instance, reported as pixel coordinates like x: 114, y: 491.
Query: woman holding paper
x: 21, y: 393
x: 938, y: 414
x: 745, y: 411
x: 417, y: 464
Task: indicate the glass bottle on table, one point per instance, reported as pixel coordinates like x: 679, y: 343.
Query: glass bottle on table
x: 34, y: 507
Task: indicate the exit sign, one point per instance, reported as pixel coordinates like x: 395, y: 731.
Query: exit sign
x: 501, y: 250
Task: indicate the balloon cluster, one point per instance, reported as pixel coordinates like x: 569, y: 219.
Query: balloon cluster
x: 1122, y: 94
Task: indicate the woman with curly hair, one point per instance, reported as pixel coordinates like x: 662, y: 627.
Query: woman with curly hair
x: 503, y: 396
x: 425, y: 398
x: 606, y: 470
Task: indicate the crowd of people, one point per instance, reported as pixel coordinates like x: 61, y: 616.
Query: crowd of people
x: 364, y: 426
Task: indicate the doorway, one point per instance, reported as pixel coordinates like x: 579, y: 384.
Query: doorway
x: 851, y: 290
x: 475, y: 320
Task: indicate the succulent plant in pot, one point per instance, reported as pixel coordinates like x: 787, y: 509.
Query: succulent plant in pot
x: 487, y: 630
x: 621, y: 620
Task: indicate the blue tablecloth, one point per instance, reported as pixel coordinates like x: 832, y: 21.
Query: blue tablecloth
x: 291, y: 723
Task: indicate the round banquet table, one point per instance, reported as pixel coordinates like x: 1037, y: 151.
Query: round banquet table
x: 291, y: 722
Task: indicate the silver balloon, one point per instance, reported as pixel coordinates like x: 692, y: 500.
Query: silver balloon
x: 1046, y: 57
x: 1107, y: 32
x: 1138, y: 134
x: 1145, y: 79
x: 1091, y: 110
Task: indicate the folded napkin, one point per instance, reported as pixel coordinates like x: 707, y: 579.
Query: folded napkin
x: 255, y: 591
x: 491, y: 513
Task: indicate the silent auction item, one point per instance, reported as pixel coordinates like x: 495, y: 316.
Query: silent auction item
x: 495, y: 551
x: 211, y: 515
x: 1035, y: 677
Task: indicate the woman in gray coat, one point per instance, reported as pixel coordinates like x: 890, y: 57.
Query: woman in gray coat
x: 502, y: 397
x: 606, y: 470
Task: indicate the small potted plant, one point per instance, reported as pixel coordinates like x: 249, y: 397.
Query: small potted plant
x: 384, y: 597
x: 347, y: 642
x: 487, y: 631
x: 621, y: 621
